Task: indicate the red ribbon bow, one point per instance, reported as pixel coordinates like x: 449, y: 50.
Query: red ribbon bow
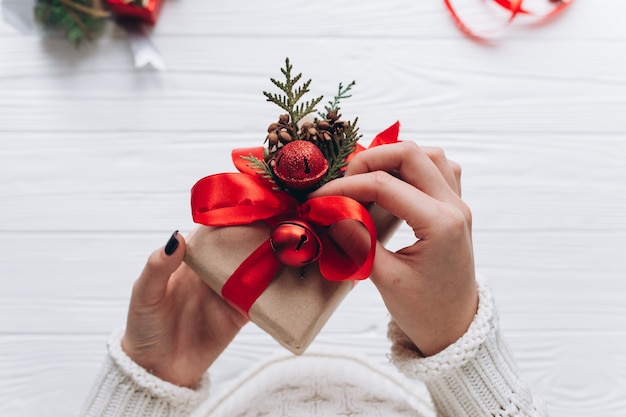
x: 230, y: 199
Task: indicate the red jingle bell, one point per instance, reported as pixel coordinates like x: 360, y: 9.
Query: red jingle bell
x: 300, y: 165
x: 295, y: 244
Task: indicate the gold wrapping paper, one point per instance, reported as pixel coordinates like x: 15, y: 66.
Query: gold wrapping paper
x: 293, y: 309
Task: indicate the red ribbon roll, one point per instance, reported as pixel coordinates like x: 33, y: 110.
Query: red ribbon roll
x: 514, y: 7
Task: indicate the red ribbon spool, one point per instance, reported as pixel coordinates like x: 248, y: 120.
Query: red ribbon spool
x: 514, y: 7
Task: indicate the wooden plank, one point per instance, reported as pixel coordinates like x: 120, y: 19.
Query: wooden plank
x: 406, y: 18
x: 68, y: 284
x: 487, y: 98
x: 47, y: 376
x: 140, y: 182
x: 576, y: 374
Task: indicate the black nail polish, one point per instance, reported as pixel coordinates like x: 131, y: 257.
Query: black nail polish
x: 172, y: 244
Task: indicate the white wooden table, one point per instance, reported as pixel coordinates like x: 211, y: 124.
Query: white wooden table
x: 96, y: 162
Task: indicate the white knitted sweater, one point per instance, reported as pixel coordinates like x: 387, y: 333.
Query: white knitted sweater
x: 474, y: 377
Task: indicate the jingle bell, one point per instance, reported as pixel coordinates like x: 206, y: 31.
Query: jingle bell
x: 295, y: 244
x: 300, y: 165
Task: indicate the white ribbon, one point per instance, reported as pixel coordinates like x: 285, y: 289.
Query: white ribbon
x: 145, y: 53
x: 19, y: 14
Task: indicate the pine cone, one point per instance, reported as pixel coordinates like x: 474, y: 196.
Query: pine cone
x: 279, y: 134
x: 331, y: 128
x: 308, y: 131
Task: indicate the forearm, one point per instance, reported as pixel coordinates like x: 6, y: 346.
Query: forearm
x: 124, y: 389
x: 475, y: 376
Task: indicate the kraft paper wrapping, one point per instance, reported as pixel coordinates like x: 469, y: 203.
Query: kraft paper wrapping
x: 293, y: 309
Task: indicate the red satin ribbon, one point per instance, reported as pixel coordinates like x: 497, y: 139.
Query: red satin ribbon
x: 148, y: 13
x: 387, y: 136
x: 230, y: 199
x: 513, y: 6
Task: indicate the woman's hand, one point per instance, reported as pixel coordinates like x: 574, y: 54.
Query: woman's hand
x: 429, y: 287
x: 177, y: 326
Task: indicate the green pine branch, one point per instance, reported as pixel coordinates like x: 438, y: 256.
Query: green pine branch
x: 342, y: 93
x: 78, y: 20
x: 261, y: 168
x: 292, y: 94
x: 337, y: 151
x: 336, y: 148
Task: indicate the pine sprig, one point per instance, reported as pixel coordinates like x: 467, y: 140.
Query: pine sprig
x: 261, y: 168
x: 78, y: 20
x: 334, y: 138
x: 292, y: 95
x: 342, y: 93
x: 336, y: 152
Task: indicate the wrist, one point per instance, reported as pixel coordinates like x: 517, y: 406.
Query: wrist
x: 408, y: 359
x: 143, y: 358
x: 441, y: 325
x: 143, y: 376
x: 155, y: 363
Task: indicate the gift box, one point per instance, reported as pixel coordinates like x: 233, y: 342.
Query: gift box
x: 241, y: 255
x: 297, y: 302
x: 268, y: 247
x: 146, y: 10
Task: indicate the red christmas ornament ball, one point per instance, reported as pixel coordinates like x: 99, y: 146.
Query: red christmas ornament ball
x: 295, y: 243
x: 300, y: 165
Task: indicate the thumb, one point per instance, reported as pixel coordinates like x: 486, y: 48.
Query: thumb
x: 151, y: 285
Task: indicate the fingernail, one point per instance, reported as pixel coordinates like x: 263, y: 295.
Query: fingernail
x: 172, y: 244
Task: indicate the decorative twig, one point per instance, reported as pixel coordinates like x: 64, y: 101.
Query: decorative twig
x: 292, y: 95
x: 86, y: 9
x: 341, y: 94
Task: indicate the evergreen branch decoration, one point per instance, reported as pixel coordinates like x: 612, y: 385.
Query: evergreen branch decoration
x: 342, y: 93
x: 292, y: 95
x: 78, y: 20
x: 336, y: 152
x: 261, y: 168
x: 301, y: 157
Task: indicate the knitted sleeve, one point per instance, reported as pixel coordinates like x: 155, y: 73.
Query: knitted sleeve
x: 124, y: 389
x: 475, y: 376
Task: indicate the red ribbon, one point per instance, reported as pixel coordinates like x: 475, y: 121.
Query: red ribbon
x: 148, y: 13
x: 230, y: 199
x: 513, y: 6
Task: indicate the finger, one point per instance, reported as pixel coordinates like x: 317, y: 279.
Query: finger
x: 445, y: 166
x: 385, y: 262
x: 456, y: 168
x: 151, y: 286
x: 352, y: 238
x: 413, y: 164
x: 394, y: 195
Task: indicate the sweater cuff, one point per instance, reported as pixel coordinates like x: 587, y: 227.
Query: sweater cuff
x: 124, y: 388
x: 474, y: 376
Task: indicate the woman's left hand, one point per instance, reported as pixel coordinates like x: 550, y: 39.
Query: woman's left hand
x: 177, y: 325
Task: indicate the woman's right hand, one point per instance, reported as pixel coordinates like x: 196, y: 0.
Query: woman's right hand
x: 429, y: 286
x: 177, y: 325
